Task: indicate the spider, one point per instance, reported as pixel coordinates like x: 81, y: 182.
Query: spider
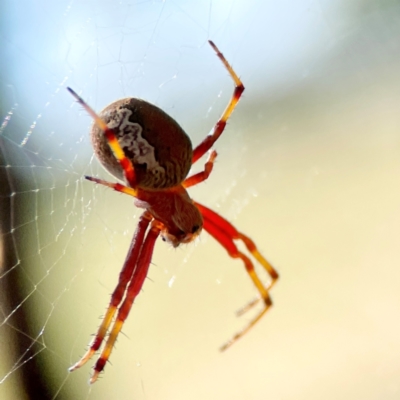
x: 145, y: 148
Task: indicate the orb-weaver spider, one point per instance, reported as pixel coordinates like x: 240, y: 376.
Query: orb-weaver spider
x: 141, y: 145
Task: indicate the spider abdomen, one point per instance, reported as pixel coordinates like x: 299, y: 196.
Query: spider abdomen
x: 159, y: 149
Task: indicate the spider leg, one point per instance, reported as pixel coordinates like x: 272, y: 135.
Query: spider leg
x: 225, y: 233
x: 136, y: 283
x: 128, y: 273
x: 119, y: 154
x: 219, y: 127
x: 116, y: 186
x: 202, y: 175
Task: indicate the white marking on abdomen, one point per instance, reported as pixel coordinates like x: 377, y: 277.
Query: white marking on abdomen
x: 129, y: 135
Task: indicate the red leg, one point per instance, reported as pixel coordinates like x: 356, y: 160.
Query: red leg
x: 219, y: 127
x: 136, y: 283
x: 119, y: 154
x: 116, y: 186
x: 202, y: 175
x: 127, y: 274
x: 225, y: 233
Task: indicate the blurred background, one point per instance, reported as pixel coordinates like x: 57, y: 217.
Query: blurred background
x: 308, y: 167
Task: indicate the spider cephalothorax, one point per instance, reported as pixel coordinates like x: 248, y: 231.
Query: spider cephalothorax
x: 175, y: 210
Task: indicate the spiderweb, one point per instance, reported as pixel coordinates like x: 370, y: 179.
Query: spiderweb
x: 313, y: 144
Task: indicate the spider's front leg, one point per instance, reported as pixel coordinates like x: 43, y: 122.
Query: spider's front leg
x: 126, y: 275
x: 130, y: 282
x: 225, y: 233
x: 139, y: 275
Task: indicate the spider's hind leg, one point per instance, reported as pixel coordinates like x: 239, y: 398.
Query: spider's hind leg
x: 116, y: 186
x: 112, y: 140
x: 219, y: 127
x: 202, y: 175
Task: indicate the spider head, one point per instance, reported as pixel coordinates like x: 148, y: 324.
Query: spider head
x: 183, y: 226
x: 181, y: 218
